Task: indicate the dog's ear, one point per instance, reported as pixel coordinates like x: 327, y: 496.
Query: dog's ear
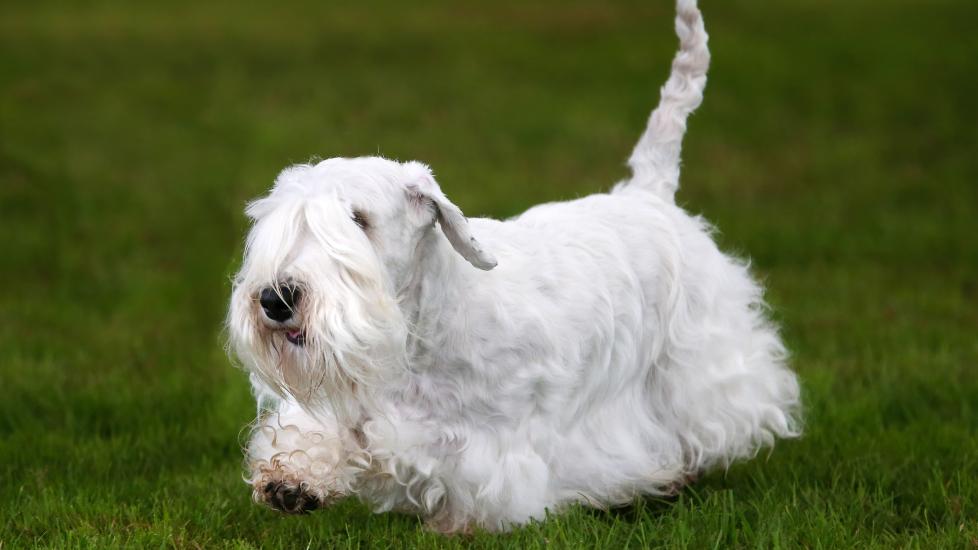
x: 421, y: 186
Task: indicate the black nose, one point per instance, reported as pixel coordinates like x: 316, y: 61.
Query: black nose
x: 279, y: 306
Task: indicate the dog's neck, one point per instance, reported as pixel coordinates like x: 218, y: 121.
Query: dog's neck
x: 433, y: 294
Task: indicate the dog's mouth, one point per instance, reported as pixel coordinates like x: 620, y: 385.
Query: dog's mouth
x: 296, y: 337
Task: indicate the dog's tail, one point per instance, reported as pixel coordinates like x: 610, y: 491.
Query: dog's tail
x: 655, y: 159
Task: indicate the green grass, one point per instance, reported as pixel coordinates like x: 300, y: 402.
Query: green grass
x: 837, y: 147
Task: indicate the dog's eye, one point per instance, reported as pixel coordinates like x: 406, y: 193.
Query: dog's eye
x: 360, y: 219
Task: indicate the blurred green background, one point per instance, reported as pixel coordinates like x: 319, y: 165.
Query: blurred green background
x: 837, y: 148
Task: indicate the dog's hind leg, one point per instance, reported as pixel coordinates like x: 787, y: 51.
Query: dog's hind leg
x: 655, y: 159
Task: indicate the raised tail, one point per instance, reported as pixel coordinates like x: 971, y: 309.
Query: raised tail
x: 655, y: 159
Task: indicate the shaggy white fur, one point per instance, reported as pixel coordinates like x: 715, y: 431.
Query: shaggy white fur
x: 481, y: 372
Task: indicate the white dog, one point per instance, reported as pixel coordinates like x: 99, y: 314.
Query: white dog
x: 478, y: 372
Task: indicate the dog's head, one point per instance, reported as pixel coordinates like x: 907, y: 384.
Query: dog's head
x: 315, y: 307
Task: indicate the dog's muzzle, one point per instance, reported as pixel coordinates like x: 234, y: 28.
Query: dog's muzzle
x: 279, y: 306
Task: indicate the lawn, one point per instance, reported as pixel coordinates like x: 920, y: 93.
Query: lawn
x: 837, y: 148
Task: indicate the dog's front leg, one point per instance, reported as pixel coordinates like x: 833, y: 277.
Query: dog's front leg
x: 298, y: 462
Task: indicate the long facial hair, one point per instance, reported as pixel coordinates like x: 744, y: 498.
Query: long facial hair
x: 354, y: 333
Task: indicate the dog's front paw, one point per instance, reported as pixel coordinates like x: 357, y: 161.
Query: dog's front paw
x: 290, y: 491
x: 290, y: 498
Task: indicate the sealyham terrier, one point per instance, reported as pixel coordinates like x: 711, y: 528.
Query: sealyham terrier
x: 479, y: 373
